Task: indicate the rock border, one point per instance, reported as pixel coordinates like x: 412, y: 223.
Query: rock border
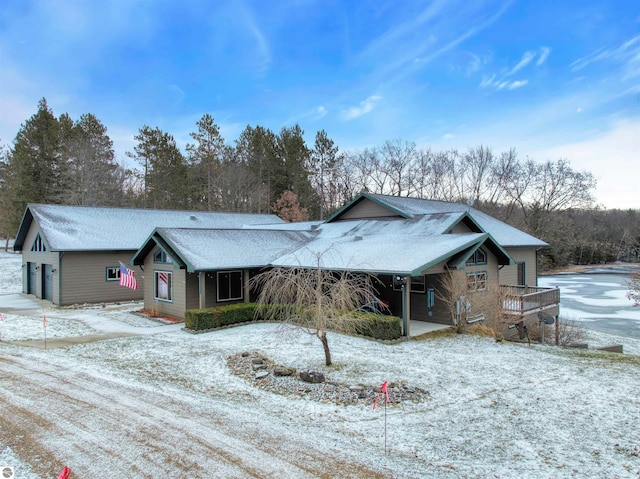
x: 262, y: 372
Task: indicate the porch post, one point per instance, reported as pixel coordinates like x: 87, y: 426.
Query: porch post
x: 245, y: 285
x: 406, y: 305
x: 201, y: 289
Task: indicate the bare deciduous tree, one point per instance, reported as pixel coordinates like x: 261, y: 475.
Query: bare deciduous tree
x: 453, y: 293
x: 314, y: 300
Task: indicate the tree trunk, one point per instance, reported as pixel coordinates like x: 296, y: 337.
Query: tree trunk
x: 325, y: 344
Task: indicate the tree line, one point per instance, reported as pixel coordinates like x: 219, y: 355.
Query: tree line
x: 65, y: 161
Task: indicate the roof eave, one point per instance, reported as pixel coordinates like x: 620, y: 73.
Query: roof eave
x: 443, y: 257
x: 358, y: 199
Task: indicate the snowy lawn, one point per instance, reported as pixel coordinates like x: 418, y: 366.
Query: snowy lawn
x: 499, y: 410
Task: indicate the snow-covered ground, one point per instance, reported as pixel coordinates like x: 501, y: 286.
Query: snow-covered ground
x: 163, y: 403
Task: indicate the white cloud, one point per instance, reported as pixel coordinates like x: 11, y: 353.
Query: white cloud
x: 611, y: 157
x: 501, y: 84
x: 526, y: 59
x: 449, y: 136
x: 320, y: 112
x: 263, y: 52
x: 363, y: 108
x: 628, y: 51
x: 544, y: 54
x: 518, y: 84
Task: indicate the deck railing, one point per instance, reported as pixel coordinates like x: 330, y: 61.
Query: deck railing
x: 522, y: 300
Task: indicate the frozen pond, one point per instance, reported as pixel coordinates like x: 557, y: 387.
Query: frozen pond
x: 597, y: 301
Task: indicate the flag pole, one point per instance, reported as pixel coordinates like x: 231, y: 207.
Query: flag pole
x: 385, y: 428
x: 44, y: 322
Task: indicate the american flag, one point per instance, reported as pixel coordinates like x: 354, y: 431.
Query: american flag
x: 127, y: 277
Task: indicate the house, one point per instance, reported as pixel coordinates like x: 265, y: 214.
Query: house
x: 72, y: 254
x: 409, y: 244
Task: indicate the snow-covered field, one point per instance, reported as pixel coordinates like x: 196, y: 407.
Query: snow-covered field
x: 162, y: 403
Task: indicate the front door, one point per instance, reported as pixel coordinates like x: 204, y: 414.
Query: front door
x: 47, y: 282
x: 31, y: 278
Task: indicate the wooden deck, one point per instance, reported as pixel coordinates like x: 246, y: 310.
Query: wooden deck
x: 526, y: 300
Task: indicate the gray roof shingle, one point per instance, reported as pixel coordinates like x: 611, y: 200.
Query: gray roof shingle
x: 84, y: 228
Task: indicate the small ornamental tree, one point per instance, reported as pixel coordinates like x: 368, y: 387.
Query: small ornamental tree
x: 288, y: 208
x: 314, y: 300
x: 634, y: 288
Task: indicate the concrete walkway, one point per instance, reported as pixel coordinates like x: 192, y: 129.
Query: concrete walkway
x: 420, y: 328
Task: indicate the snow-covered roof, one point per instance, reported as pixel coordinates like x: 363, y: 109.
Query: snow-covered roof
x: 215, y: 249
x: 83, y: 228
x: 386, y: 245
x: 506, y: 235
x: 387, y: 253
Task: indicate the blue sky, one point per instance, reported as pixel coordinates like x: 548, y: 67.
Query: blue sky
x: 553, y: 79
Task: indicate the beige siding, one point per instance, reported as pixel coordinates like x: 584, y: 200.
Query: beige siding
x: 509, y: 274
x: 83, y: 278
x: 366, y: 209
x: 461, y: 228
x: 78, y: 277
x: 177, y: 306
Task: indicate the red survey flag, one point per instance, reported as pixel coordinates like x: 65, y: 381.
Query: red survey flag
x: 44, y: 321
x: 383, y: 389
x: 65, y: 473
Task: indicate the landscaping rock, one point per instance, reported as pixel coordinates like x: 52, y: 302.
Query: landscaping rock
x: 283, y: 371
x: 264, y: 376
x: 313, y: 377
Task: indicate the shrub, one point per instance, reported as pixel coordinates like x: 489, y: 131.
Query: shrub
x: 569, y: 331
x: 378, y: 326
x: 210, y: 318
x: 368, y: 324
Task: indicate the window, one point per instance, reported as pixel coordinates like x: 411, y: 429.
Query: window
x: 164, y: 285
x: 229, y: 285
x: 113, y: 273
x: 417, y: 284
x: 522, y: 278
x: 478, y: 257
x: 161, y: 257
x: 38, y: 245
x: 477, y: 281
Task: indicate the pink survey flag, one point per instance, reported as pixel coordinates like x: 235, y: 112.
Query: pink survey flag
x: 65, y: 473
x: 383, y: 389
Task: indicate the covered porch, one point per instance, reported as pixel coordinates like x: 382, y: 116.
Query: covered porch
x: 420, y: 328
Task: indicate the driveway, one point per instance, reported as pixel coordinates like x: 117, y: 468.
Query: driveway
x: 10, y: 303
